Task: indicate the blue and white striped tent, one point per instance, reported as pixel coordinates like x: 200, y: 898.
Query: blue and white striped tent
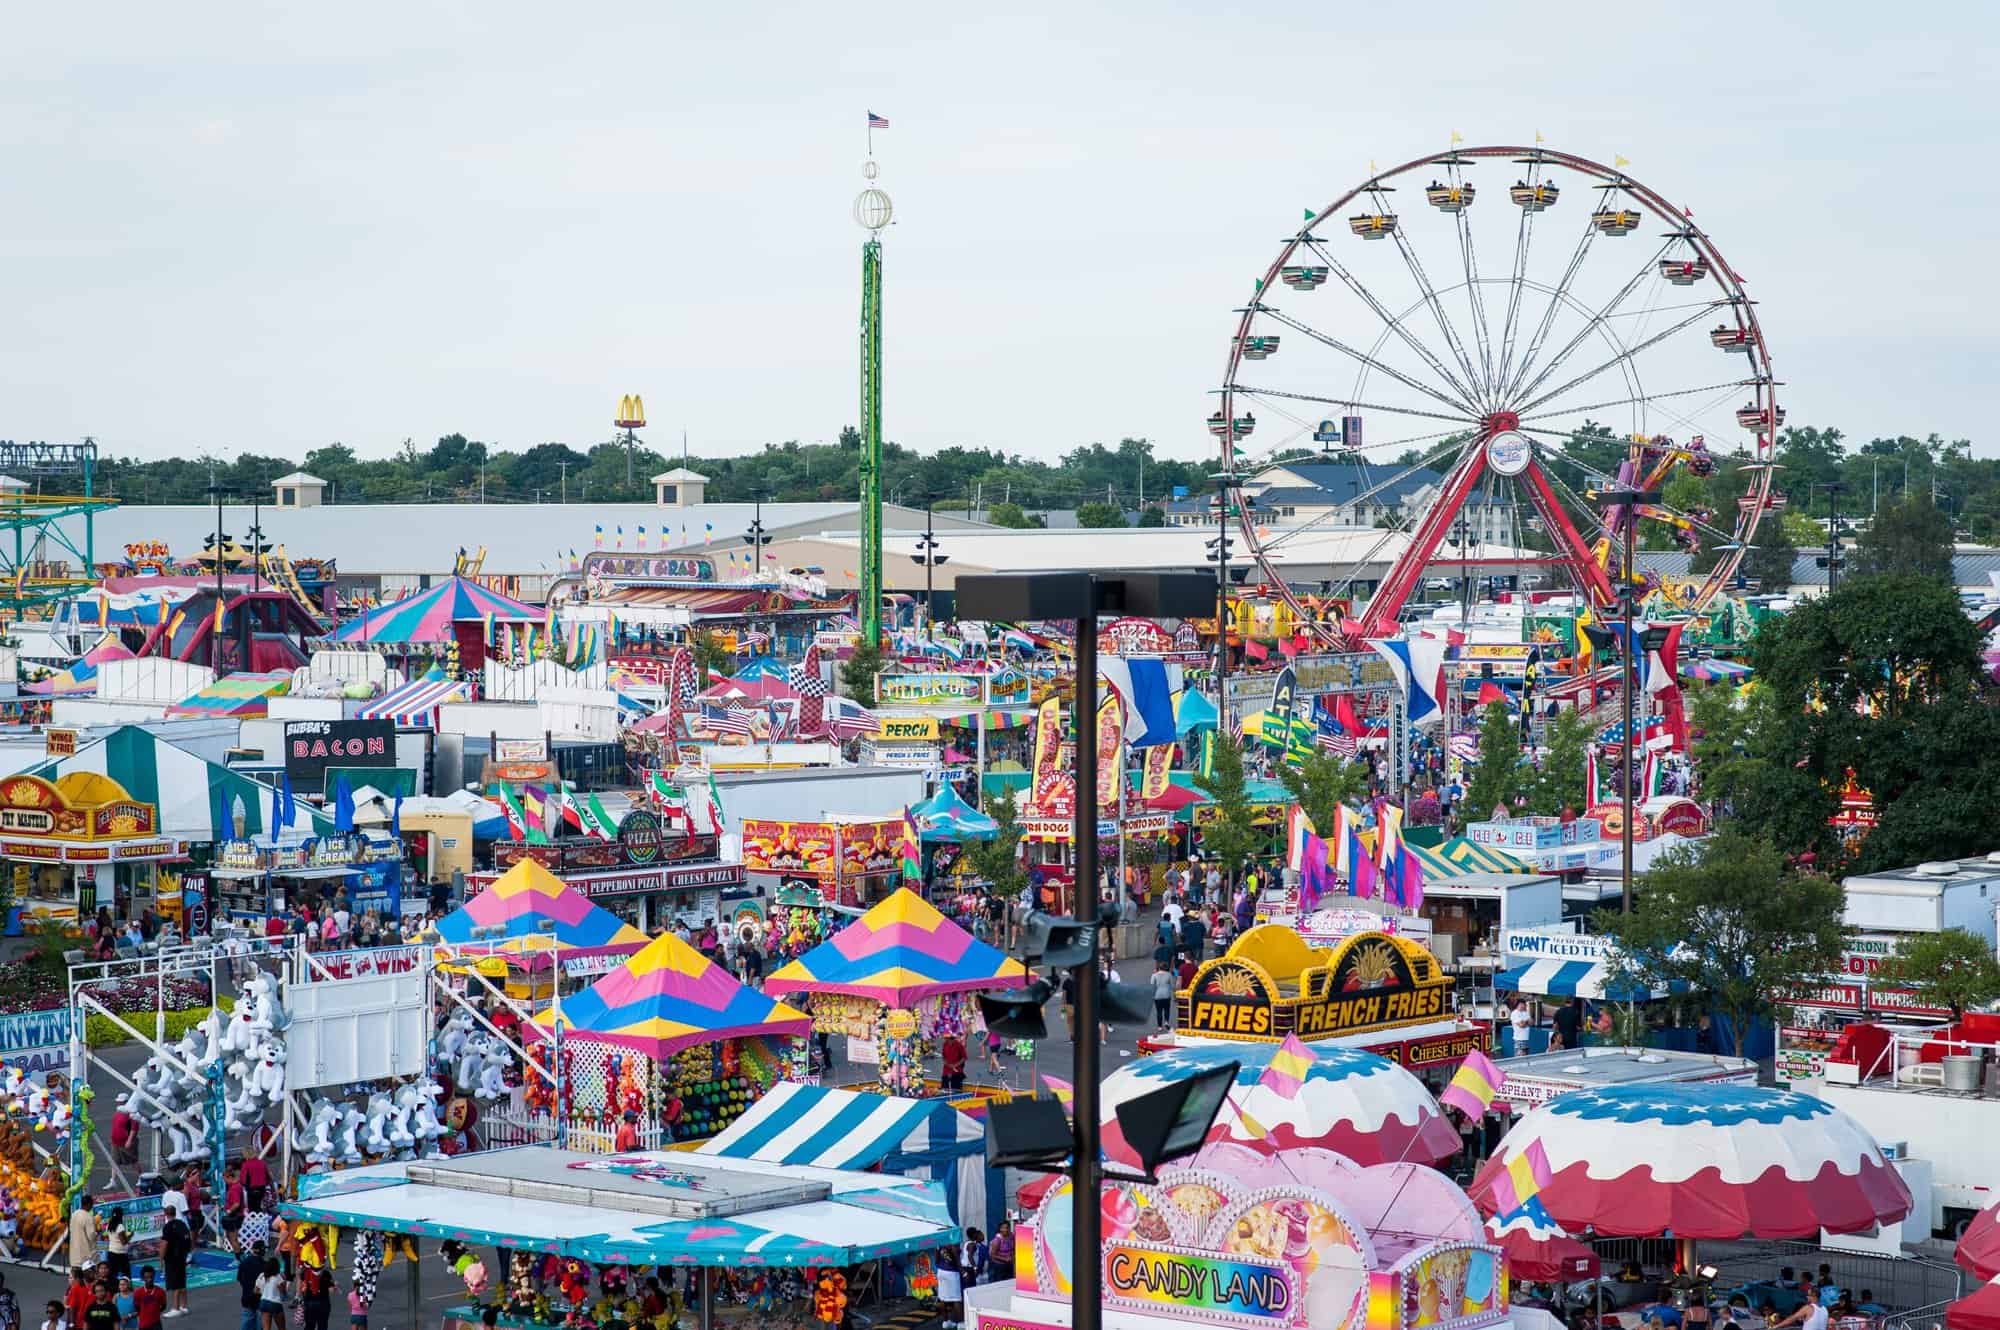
x: 1560, y: 978
x: 850, y: 1129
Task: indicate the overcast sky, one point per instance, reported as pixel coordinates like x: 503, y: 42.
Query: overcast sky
x: 245, y: 226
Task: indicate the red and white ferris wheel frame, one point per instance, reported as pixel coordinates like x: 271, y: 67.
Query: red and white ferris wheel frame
x: 1379, y: 618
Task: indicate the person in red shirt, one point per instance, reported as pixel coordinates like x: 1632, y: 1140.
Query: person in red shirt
x: 627, y: 1138
x: 1187, y: 972
x: 149, y: 1301
x: 953, y: 1053
x: 78, y: 1296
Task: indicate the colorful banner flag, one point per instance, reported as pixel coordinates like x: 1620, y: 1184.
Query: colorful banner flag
x: 913, y: 855
x: 1110, y: 750
x: 1159, y: 765
x: 1523, y: 1178
x: 1475, y: 1085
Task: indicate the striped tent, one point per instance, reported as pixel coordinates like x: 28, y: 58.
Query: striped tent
x: 899, y: 953
x: 669, y: 997
x: 198, y: 800
x: 428, y: 616
x: 415, y: 705
x: 1459, y: 857
x: 823, y: 1128
x: 243, y: 696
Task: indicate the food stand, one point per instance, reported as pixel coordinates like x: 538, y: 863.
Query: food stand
x: 1235, y: 1238
x: 651, y: 879
x: 893, y: 982
x: 853, y: 860
x: 256, y: 880
x: 80, y: 844
x: 1372, y: 990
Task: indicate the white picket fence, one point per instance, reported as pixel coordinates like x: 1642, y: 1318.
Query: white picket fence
x: 516, y: 1127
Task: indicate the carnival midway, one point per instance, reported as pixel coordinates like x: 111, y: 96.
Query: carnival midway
x: 778, y: 917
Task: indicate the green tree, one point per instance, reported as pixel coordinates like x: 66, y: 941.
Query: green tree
x: 711, y: 657
x: 1099, y: 515
x: 1496, y: 777
x: 1721, y: 743
x: 1950, y: 969
x: 1559, y: 784
x: 1152, y: 515
x: 1008, y: 515
x: 1912, y: 538
x: 1879, y: 678
x: 1230, y: 840
x: 998, y: 860
x: 858, y: 672
x: 1322, y: 783
x: 1727, y: 919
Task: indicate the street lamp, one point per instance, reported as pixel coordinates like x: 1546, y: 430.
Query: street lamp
x: 1082, y: 597
x: 220, y: 492
x: 757, y: 536
x: 928, y: 559
x: 1218, y: 554
x: 1628, y: 597
x: 1832, y: 560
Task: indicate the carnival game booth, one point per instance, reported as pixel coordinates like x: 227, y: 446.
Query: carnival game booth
x: 1304, y: 1239
x: 78, y: 844
x: 1373, y: 990
x: 895, y: 982
x: 529, y: 921
x: 670, y: 1036
x: 457, y: 612
x: 818, y: 1127
x: 772, y: 1232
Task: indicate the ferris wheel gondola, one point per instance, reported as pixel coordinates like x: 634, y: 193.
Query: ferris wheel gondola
x: 1495, y: 375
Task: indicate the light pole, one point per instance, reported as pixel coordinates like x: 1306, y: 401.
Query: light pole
x: 1624, y: 502
x: 1082, y: 596
x: 757, y: 537
x: 928, y: 557
x: 220, y: 492
x: 1218, y: 554
x: 1832, y: 560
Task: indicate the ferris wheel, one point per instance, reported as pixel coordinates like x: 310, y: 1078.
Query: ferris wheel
x: 1489, y: 310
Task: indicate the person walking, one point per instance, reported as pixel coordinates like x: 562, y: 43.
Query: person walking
x: 249, y: 1285
x: 176, y: 1244
x: 1163, y: 994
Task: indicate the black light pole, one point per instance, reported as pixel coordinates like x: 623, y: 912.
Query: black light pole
x: 1831, y: 560
x: 220, y: 492
x: 1628, y: 596
x: 1081, y: 596
x: 1218, y: 552
x: 928, y: 557
x: 757, y: 537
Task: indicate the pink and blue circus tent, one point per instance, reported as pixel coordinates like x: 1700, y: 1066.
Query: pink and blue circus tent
x: 899, y: 953
x: 428, y: 616
x: 525, y: 899
x: 669, y: 997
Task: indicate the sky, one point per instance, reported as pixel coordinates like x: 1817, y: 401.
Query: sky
x: 268, y: 227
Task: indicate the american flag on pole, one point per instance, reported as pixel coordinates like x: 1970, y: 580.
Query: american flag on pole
x: 726, y: 720
x: 1340, y: 745
x: 877, y: 121
x: 847, y: 719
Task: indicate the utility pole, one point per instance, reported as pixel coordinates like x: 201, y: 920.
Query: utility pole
x: 563, y: 466
x: 220, y: 492
x: 757, y: 537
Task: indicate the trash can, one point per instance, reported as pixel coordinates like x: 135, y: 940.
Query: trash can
x: 1964, y: 1074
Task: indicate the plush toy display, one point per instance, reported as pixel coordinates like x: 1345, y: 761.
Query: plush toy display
x: 173, y: 1088
x: 465, y: 1265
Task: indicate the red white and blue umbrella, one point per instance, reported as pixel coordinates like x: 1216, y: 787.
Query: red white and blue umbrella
x: 1697, y: 1161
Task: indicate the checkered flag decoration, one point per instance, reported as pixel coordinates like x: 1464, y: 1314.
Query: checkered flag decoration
x: 806, y: 680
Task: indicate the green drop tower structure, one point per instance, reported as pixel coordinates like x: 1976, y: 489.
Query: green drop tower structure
x: 873, y: 211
